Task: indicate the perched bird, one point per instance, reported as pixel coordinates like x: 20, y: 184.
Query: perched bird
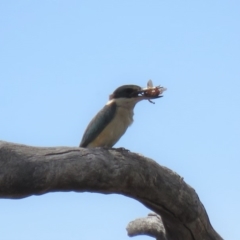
x: 108, y: 126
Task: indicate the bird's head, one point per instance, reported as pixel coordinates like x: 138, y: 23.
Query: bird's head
x: 134, y: 93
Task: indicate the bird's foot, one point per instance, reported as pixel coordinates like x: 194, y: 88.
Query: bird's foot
x: 121, y: 149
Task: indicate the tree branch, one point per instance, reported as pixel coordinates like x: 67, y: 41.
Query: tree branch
x: 151, y: 225
x: 26, y: 171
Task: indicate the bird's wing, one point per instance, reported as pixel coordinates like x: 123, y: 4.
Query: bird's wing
x: 98, y: 123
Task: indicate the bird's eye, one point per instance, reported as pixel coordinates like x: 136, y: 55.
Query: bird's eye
x: 131, y: 93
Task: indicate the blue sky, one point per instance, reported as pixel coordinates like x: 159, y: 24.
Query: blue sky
x: 60, y: 60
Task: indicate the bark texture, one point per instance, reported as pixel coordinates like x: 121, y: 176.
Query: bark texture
x: 26, y: 171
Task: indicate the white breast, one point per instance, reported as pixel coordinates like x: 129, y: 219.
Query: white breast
x: 116, y: 128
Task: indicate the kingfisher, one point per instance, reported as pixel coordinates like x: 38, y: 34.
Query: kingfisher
x: 110, y: 123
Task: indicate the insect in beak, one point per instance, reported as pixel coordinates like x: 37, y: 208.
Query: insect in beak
x: 151, y: 92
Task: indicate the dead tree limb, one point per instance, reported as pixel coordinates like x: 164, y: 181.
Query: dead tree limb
x: 26, y: 171
x: 151, y: 225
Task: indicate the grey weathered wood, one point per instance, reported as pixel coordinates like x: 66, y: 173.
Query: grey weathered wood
x: 151, y: 225
x: 26, y: 171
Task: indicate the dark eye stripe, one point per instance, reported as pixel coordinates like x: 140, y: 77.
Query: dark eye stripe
x: 126, y: 91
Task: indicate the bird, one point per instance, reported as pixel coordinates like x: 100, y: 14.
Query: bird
x: 112, y: 121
